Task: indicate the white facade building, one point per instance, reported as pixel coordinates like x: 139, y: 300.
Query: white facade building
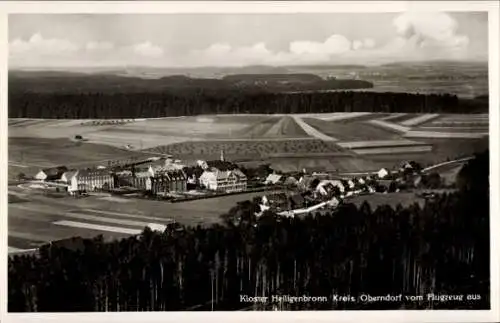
x: 224, y: 181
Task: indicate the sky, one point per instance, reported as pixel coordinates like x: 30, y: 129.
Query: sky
x: 194, y: 40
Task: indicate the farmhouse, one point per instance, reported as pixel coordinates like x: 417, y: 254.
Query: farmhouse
x: 274, y: 179
x: 327, y: 187
x: 311, y: 181
x: 90, y: 180
x: 383, y: 173
x: 169, y: 181
x: 51, y: 174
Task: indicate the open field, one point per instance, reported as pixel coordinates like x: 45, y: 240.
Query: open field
x: 273, y: 128
x: 246, y: 149
x: 342, y: 164
x: 42, y: 219
x: 419, y: 119
x: 442, y: 149
x: 348, y: 132
x: 304, y: 139
x: 29, y: 155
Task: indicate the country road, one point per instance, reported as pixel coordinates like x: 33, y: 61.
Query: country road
x: 312, y: 131
x: 447, y: 163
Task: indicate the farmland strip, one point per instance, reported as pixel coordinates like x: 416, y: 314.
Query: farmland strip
x: 36, y: 238
x: 312, y: 131
x: 467, y: 122
x: 394, y: 116
x: 376, y: 143
x: 344, y: 116
x: 419, y: 119
x: 82, y: 225
x: 392, y: 150
x: 16, y: 250
x: 434, y: 134
x: 81, y: 216
x: 389, y: 125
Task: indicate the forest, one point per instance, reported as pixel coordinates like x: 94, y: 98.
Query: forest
x: 441, y: 248
x: 102, y: 105
x: 70, y: 82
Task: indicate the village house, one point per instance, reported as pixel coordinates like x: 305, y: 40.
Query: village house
x: 274, y: 179
x: 307, y: 182
x: 51, y: 174
x: 326, y: 187
x: 382, y: 173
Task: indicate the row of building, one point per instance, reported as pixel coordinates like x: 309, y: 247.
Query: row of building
x: 159, y: 177
x: 308, y: 190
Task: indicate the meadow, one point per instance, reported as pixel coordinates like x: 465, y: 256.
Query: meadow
x: 35, y: 218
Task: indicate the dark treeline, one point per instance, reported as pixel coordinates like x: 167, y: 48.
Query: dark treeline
x: 440, y: 248
x: 75, y: 83
x: 186, y: 103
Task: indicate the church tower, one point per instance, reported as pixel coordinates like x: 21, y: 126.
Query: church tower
x: 222, y: 155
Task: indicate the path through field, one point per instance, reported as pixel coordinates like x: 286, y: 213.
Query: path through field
x: 312, y: 131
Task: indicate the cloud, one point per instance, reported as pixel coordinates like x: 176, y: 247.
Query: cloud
x: 417, y: 36
x: 363, y: 44
x: 99, y: 46
x: 148, y: 49
x: 42, y: 46
x: 335, y: 44
x: 41, y: 51
x: 430, y: 30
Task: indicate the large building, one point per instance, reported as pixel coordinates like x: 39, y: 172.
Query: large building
x: 222, y: 176
x: 169, y: 181
x: 224, y: 180
x: 85, y: 180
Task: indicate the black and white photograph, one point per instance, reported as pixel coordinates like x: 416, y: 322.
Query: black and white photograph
x: 261, y: 161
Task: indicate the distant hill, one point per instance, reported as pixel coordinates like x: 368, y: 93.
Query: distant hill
x: 73, y: 82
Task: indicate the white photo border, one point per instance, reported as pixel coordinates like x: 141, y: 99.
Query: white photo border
x: 207, y: 7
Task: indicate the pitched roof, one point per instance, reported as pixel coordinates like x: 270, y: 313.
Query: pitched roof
x: 55, y: 171
x: 273, y: 178
x: 172, y: 174
x: 228, y: 173
x: 221, y: 165
x: 69, y: 174
x: 92, y: 172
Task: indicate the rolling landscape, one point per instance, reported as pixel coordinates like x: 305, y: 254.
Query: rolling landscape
x: 253, y: 164
x: 343, y: 142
